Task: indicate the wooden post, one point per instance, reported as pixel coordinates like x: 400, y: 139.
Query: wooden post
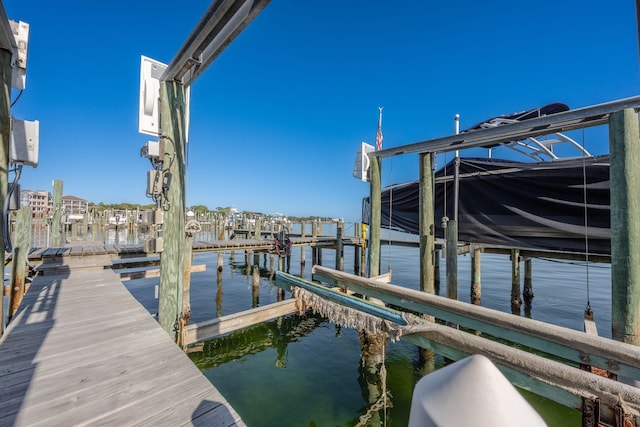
x: 625, y: 226
x: 186, y: 283
x: 56, y: 223
x: 302, y: 247
x: 255, y: 288
x: 356, y: 251
x: 339, y: 246
x: 172, y: 123
x: 363, y: 250
x: 258, y: 232
x: 452, y: 259
x: 436, y: 272
x: 5, y: 134
x: 476, y: 281
x: 427, y: 225
x: 85, y: 226
x: 21, y: 245
x: 516, y: 300
x: 314, y: 249
x: 375, y: 206
x: 527, y: 292
x: 220, y: 261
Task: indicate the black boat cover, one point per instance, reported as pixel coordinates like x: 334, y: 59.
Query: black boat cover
x: 539, y: 205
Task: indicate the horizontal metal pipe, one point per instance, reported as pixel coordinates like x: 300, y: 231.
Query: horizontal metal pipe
x: 573, y: 119
x: 614, y: 356
x: 573, y: 380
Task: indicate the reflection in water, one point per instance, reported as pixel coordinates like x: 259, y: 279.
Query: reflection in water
x: 255, y: 339
x: 373, y: 378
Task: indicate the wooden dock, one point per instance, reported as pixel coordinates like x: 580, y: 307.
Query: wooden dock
x: 82, y: 351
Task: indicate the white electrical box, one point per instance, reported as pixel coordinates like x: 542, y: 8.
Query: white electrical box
x: 154, y: 182
x: 149, y: 105
x: 153, y: 150
x: 361, y: 165
x: 20, y: 32
x: 24, y: 141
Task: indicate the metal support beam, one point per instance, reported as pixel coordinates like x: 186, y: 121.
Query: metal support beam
x: 560, y: 122
x: 219, y: 25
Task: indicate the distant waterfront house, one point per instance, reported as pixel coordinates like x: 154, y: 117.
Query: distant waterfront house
x: 73, y: 205
x: 39, y: 201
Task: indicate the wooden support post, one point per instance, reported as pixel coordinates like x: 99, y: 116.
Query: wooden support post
x: 527, y: 291
x: 186, y: 283
x: 56, y: 223
x: 436, y: 272
x: 516, y: 300
x: 172, y: 123
x: 356, y: 251
x: 427, y: 225
x: 375, y: 205
x: 476, y: 281
x: 255, y: 287
x: 314, y: 249
x: 220, y: 261
x: 339, y: 246
x: 452, y: 259
x: 21, y: 245
x: 74, y: 232
x: 85, y: 227
x: 5, y: 134
x: 363, y: 251
x: 258, y: 232
x: 625, y: 226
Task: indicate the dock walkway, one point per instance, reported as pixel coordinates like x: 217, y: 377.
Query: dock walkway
x: 82, y: 351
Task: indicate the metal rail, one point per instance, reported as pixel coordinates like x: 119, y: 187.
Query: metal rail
x: 558, y: 381
x: 219, y: 25
x: 594, y: 115
x: 578, y: 347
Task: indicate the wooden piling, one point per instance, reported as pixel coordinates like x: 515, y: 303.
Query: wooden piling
x: 375, y: 205
x: 625, y: 226
x: 339, y: 246
x: 21, y: 244
x: 436, y: 272
x: 452, y: 259
x: 172, y: 123
x: 314, y: 249
x: 5, y: 135
x: 427, y: 225
x: 56, y: 223
x: 220, y: 261
x: 186, y: 282
x: 476, y: 281
x: 356, y: 250
x: 527, y: 291
x: 85, y: 227
x: 516, y: 300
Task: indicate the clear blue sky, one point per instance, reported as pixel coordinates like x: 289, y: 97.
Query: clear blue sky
x: 277, y: 118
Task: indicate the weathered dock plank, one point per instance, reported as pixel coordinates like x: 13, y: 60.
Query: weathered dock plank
x: 82, y: 351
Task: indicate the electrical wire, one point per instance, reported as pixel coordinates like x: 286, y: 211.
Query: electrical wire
x: 6, y: 237
x: 17, y: 97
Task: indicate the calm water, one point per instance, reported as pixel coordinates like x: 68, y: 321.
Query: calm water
x: 308, y: 372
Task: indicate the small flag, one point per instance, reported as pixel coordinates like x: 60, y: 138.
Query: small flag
x: 379, y: 134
